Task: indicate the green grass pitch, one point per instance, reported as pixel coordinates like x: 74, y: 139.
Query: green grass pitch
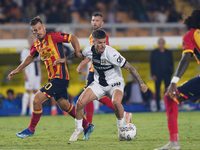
x: 53, y: 133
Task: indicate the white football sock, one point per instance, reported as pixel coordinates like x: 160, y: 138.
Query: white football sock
x: 120, y: 122
x: 31, y: 104
x: 78, y: 124
x: 25, y: 100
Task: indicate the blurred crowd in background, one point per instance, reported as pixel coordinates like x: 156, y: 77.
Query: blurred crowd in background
x: 60, y: 11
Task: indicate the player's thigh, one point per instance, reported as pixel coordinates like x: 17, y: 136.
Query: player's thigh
x: 39, y: 98
x: 116, y: 91
x: 63, y: 103
x: 86, y: 96
x: 97, y: 90
x: 190, y: 90
x: 117, y: 96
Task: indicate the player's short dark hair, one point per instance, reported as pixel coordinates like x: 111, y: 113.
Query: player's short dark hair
x: 98, y: 14
x: 35, y: 20
x: 193, y: 21
x: 99, y: 34
x: 10, y: 91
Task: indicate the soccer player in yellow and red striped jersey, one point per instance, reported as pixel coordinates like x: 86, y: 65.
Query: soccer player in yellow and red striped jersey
x: 97, y: 22
x: 190, y: 89
x: 49, y: 46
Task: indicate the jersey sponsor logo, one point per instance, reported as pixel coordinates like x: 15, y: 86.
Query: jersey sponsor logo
x: 116, y: 84
x: 96, y: 61
x: 103, y: 67
x: 119, y: 59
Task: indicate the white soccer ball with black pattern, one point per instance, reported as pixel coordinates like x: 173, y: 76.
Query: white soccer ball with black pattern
x: 129, y: 131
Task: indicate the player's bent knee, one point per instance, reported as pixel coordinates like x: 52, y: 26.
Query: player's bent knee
x: 116, y: 103
x: 38, y: 100
x: 80, y: 104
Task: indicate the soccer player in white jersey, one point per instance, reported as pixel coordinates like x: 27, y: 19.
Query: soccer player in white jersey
x: 32, y: 77
x: 108, y: 79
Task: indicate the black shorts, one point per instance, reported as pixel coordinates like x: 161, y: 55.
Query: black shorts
x: 90, y: 79
x: 56, y: 88
x: 190, y: 90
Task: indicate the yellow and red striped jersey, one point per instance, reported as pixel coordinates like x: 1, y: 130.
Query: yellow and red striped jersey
x: 191, y: 43
x: 91, y: 69
x: 50, y: 49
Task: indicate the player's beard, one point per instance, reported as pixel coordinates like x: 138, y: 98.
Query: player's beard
x: 98, y: 51
x: 97, y: 28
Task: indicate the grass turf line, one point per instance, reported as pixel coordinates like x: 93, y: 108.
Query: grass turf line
x: 53, y: 132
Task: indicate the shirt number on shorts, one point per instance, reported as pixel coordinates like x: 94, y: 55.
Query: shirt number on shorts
x: 48, y: 86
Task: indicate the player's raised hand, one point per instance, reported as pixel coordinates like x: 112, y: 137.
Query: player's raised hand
x: 59, y: 61
x: 172, y: 90
x: 143, y: 87
x: 14, y: 72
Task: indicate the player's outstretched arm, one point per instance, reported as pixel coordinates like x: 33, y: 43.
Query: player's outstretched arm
x: 83, y: 63
x: 69, y: 57
x: 26, y: 62
x: 76, y: 46
x: 182, y: 66
x: 134, y: 73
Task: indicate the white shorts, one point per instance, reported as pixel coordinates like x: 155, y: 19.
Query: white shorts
x: 100, y: 91
x: 34, y: 83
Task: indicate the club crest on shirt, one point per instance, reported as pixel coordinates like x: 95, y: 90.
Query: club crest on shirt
x: 119, y: 59
x: 103, y: 62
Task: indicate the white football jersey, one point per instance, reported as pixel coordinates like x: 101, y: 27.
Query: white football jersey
x: 107, y: 66
x: 33, y: 69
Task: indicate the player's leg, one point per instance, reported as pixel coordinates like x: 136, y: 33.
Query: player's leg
x: 31, y: 101
x: 37, y: 113
x: 70, y: 109
x: 157, y: 85
x: 89, y: 108
x: 119, y: 110
x: 64, y: 105
x: 53, y: 106
x: 94, y: 91
x: 108, y: 102
x: 35, y: 86
x: 189, y: 90
x: 25, y: 100
x: 172, y: 115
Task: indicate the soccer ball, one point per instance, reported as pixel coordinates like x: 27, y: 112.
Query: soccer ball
x: 128, y: 132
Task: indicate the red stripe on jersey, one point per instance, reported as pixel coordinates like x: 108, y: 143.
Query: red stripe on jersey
x: 67, y: 73
x: 54, y: 68
x: 47, y: 68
